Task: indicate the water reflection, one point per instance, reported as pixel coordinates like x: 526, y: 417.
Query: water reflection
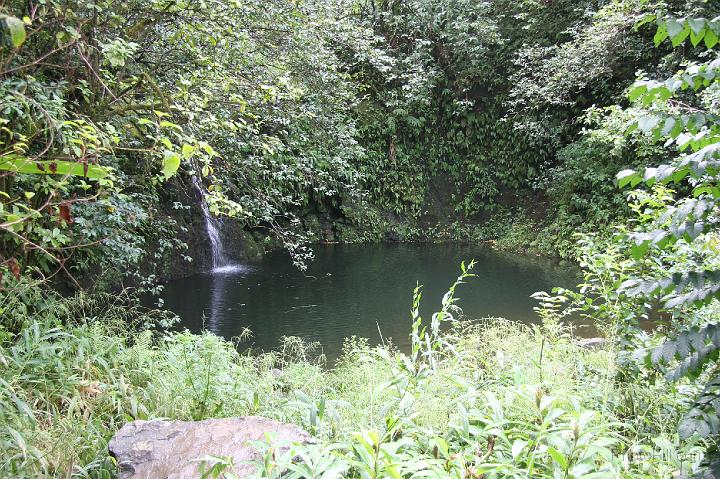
x: 219, y: 285
x: 358, y: 290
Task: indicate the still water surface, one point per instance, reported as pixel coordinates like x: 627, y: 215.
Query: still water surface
x: 359, y: 290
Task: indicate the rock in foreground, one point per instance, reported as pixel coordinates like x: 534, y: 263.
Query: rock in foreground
x: 170, y: 449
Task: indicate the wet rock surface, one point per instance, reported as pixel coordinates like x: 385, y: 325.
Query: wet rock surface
x: 170, y: 449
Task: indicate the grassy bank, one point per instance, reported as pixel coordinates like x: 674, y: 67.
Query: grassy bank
x: 478, y: 397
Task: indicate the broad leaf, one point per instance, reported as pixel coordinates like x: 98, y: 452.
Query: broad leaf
x: 19, y: 164
x: 171, y: 163
x: 16, y: 28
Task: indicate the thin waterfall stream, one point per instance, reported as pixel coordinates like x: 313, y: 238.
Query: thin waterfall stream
x: 220, y: 261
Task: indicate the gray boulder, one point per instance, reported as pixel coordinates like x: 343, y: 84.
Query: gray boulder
x: 169, y: 449
x: 591, y: 343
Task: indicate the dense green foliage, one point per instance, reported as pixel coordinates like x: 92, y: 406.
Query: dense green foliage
x: 467, y: 400
x: 331, y: 120
x: 482, y: 110
x: 114, y: 97
x: 666, y: 257
x: 505, y: 121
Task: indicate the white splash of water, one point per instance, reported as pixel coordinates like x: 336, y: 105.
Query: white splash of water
x: 220, y: 261
x: 231, y: 268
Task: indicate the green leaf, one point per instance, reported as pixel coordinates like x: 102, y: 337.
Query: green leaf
x: 636, y: 92
x: 464, y: 420
x: 696, y: 25
x: 187, y: 151
x: 638, y: 250
x: 558, y: 457
x: 680, y: 37
x: 710, y: 38
x: 16, y: 27
x: 661, y: 34
x: 625, y: 177
x: 517, y: 448
x: 674, y: 28
x: 168, y: 124
x: 647, y: 123
x: 695, y: 39
x: 20, y: 164
x: 690, y: 426
x: 171, y: 163
x: 646, y: 19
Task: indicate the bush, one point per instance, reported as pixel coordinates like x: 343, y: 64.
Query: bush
x: 472, y: 397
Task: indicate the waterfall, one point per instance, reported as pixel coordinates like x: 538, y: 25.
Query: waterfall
x: 220, y: 261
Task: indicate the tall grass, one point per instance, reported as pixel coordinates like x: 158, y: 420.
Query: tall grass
x: 473, y: 397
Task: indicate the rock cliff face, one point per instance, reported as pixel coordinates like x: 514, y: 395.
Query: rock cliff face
x: 239, y: 244
x: 175, y: 449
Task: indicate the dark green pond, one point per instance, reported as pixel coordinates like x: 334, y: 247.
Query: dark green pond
x: 359, y: 290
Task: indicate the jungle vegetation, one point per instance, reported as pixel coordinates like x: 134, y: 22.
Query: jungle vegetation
x: 588, y: 130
